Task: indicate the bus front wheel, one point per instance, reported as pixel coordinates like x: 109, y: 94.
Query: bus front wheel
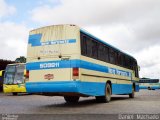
x: 71, y: 99
x: 131, y: 95
x: 107, y: 97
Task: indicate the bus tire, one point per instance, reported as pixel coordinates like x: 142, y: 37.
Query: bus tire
x: 107, y: 97
x: 132, y: 95
x: 14, y: 93
x: 71, y: 99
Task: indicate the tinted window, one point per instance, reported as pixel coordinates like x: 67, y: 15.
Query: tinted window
x: 111, y: 56
x: 89, y: 47
x: 101, y: 52
x: 127, y: 61
x: 94, y: 49
x: 83, y: 45
x: 116, y: 58
x: 120, y: 59
x: 107, y: 54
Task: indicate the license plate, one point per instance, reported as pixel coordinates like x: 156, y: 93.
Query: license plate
x: 48, y: 76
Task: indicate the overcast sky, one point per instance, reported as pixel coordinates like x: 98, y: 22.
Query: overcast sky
x: 130, y: 25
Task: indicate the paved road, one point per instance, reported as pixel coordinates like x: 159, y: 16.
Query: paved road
x: 146, y: 101
x: 35, y: 106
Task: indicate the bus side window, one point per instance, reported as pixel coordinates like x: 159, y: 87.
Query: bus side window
x: 116, y: 58
x: 137, y: 75
x: 136, y: 71
x: 111, y: 56
x: 106, y: 54
x: 94, y: 49
x: 131, y: 63
x: 89, y: 47
x: 121, y: 59
x: 101, y: 52
x: 127, y: 62
x: 83, y: 45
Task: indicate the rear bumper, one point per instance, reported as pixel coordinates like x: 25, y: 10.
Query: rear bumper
x: 39, y: 87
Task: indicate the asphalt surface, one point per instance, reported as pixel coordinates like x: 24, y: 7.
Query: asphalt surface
x: 145, y: 102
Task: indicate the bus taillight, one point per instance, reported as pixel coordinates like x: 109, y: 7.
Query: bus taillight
x: 75, y: 73
x: 27, y: 74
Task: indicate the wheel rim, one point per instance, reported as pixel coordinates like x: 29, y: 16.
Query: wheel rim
x: 108, y: 93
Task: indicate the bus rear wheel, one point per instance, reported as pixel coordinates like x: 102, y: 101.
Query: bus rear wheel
x: 107, y: 97
x: 131, y: 95
x: 14, y: 93
x: 71, y: 99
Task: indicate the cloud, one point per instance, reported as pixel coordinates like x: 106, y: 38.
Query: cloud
x: 124, y: 21
x: 149, y: 61
x: 13, y: 40
x: 97, y: 12
x: 5, y: 9
x: 150, y: 56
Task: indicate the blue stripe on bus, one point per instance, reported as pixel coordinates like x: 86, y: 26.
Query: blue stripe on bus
x: 146, y: 87
x: 75, y: 63
x: 87, y: 88
x: 35, y: 40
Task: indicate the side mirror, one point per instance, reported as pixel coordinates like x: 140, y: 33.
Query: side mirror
x: 139, y: 68
x: 1, y: 73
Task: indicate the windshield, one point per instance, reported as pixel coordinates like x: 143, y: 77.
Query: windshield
x: 14, y: 74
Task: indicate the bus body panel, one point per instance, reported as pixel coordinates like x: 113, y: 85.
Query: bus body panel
x: 93, y: 82
x: 50, y: 51
x: 47, y: 55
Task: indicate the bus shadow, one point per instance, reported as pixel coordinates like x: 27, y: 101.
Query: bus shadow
x: 84, y: 103
x: 120, y: 98
x: 81, y: 103
x: 18, y: 95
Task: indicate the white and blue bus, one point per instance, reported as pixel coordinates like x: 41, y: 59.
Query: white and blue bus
x: 65, y: 60
x: 150, y: 84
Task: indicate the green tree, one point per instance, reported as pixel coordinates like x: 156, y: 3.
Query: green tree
x: 21, y: 59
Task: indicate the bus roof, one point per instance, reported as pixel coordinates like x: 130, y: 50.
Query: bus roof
x: 54, y: 25
x: 17, y: 64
